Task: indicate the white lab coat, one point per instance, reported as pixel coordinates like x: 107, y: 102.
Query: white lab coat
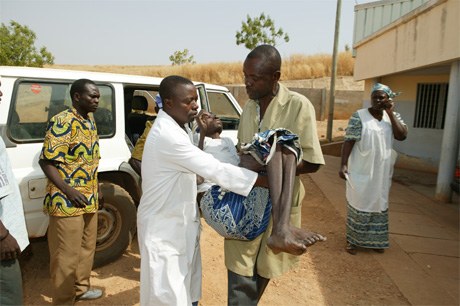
x: 168, y: 220
x: 11, y: 207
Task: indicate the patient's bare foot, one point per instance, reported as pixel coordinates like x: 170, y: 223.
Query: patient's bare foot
x: 307, y: 237
x: 286, y: 241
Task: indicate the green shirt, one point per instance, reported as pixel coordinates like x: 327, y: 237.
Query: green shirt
x: 294, y: 112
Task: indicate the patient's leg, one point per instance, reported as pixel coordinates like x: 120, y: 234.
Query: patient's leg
x: 281, y: 174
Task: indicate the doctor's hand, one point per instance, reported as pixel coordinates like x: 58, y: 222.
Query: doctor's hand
x: 9, y: 248
x: 201, y: 121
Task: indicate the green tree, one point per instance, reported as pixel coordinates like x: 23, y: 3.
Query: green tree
x: 181, y: 58
x: 259, y: 30
x: 17, y: 47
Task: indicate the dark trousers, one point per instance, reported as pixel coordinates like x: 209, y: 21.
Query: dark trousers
x: 245, y: 290
x: 10, y: 283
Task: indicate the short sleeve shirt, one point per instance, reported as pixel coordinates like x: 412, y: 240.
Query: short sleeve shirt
x: 72, y: 143
x: 355, y: 126
x: 294, y: 112
x: 288, y: 110
x: 139, y: 147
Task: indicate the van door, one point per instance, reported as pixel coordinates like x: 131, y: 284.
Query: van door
x: 224, y: 106
x: 202, y: 97
x: 33, y: 103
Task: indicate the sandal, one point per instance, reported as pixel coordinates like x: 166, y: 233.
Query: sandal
x: 351, y: 249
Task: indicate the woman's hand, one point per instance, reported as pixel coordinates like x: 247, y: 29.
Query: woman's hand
x: 343, y: 172
x: 399, y: 129
x: 389, y: 106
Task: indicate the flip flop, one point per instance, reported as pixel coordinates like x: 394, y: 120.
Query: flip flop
x: 351, y: 249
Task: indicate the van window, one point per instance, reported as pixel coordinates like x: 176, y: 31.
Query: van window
x: 222, y: 106
x: 34, y: 103
x: 105, y: 113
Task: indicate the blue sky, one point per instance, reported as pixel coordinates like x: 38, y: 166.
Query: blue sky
x: 124, y: 32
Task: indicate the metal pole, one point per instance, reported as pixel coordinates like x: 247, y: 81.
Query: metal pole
x: 333, y: 72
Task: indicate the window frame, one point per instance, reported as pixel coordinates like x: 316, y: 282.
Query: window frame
x: 14, y: 102
x: 430, y: 105
x: 229, y: 123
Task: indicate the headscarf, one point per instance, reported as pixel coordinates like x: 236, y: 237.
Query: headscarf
x: 386, y: 90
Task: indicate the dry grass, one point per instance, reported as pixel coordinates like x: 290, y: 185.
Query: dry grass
x: 295, y: 67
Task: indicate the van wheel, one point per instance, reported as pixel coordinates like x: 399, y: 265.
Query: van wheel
x: 116, y: 224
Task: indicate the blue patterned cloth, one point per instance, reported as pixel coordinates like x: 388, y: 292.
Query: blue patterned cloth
x: 235, y: 216
x: 263, y: 144
x: 244, y: 218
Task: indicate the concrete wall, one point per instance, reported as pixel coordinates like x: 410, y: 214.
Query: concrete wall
x: 371, y: 17
x: 426, y: 36
x: 346, y: 101
x: 421, y: 143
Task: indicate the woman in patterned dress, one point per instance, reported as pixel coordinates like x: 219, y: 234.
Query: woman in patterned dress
x: 367, y: 166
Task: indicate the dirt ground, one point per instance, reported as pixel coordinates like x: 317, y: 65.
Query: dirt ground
x: 326, y: 274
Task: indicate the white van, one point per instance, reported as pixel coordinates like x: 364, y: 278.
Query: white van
x: 31, y: 96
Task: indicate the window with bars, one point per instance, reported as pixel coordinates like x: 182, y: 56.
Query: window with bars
x: 430, y: 107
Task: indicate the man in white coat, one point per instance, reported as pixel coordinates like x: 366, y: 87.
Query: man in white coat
x: 168, y: 219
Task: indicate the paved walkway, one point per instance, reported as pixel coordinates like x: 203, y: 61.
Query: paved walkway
x: 423, y: 259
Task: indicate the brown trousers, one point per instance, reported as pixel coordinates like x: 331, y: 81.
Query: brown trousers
x: 71, y: 242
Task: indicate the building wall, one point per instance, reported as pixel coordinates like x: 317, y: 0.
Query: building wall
x: 421, y: 142
x: 426, y: 36
x: 371, y: 17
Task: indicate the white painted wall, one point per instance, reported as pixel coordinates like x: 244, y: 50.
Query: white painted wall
x: 422, y: 143
x: 427, y: 36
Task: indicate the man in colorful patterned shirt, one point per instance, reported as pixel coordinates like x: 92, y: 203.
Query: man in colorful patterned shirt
x: 70, y: 158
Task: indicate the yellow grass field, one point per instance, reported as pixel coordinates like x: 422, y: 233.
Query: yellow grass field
x: 295, y: 67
